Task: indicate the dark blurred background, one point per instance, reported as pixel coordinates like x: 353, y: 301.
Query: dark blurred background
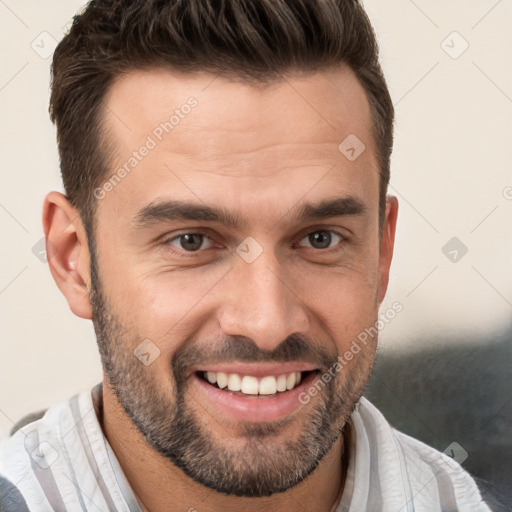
x: 459, y: 390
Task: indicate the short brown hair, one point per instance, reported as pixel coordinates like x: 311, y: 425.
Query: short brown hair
x: 252, y: 40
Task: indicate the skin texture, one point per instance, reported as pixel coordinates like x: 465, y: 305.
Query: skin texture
x: 261, y: 152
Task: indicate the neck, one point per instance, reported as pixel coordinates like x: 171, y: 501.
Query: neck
x: 156, y: 482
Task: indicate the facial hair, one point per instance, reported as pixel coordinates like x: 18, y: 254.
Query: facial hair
x: 260, y: 466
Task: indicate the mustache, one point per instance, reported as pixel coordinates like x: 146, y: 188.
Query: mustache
x: 295, y: 347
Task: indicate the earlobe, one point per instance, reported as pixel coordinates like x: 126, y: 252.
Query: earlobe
x: 67, y: 252
x: 387, y: 244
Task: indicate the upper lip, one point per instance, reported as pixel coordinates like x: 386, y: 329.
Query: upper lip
x: 257, y: 369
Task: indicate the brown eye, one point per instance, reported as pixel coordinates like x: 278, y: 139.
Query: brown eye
x: 189, y: 242
x: 322, y: 239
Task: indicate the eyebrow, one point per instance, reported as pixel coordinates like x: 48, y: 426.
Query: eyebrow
x: 327, y: 208
x: 173, y: 210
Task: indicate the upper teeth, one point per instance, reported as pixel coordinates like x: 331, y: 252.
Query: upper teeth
x: 250, y: 385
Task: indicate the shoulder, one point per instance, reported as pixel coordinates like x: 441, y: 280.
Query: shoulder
x: 427, y: 475
x: 42, y: 449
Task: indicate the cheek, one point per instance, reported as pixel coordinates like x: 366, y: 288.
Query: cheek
x: 350, y: 289
x: 150, y: 292
x: 166, y: 308
x: 344, y: 302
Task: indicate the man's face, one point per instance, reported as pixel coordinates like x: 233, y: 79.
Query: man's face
x: 279, y: 282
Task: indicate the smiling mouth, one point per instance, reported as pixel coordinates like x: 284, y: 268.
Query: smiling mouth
x: 248, y: 385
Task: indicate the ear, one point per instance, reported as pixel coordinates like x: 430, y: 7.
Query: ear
x: 387, y: 244
x: 67, y: 252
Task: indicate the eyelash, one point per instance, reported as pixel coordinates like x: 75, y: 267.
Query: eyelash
x: 167, y: 242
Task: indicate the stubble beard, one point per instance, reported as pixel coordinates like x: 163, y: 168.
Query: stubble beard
x: 257, y: 464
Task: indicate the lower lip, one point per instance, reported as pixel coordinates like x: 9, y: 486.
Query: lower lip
x: 254, y: 408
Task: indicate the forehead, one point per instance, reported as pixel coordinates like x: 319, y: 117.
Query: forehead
x: 329, y: 103
x: 230, y: 141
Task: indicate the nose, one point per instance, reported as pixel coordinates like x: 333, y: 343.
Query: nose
x: 259, y: 303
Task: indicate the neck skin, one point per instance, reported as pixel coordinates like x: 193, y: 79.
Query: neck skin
x: 157, y: 482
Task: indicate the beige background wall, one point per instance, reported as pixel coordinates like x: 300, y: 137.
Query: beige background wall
x: 452, y: 172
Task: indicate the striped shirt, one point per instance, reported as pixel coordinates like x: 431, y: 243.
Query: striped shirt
x: 63, y: 462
